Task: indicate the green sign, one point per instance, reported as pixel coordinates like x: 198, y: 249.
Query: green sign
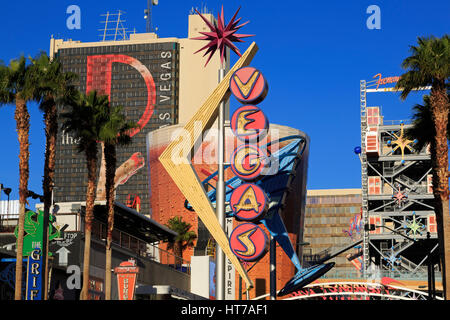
x: 34, y: 231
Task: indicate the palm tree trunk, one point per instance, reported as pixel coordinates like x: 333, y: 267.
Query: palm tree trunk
x: 22, y: 118
x: 178, y: 251
x: 110, y: 159
x: 440, y: 109
x: 91, y: 157
x: 51, y: 131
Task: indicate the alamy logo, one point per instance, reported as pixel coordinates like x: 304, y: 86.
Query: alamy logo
x: 374, y: 21
x: 74, y: 280
x: 74, y: 20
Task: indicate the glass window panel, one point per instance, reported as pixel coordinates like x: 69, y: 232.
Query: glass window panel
x: 125, y: 240
x: 134, y: 244
x: 116, y: 236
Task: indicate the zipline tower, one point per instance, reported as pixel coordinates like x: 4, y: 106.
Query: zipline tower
x: 397, y: 195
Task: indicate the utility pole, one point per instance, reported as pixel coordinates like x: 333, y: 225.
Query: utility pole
x: 148, y: 14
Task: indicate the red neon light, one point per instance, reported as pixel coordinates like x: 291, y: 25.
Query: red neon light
x: 249, y: 202
x: 134, y: 202
x: 248, y: 162
x: 248, y: 85
x: 249, y: 242
x: 249, y: 123
x: 346, y: 289
x: 385, y: 80
x: 98, y: 77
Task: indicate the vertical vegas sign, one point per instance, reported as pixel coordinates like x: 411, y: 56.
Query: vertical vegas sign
x: 248, y: 202
x: 220, y: 37
x: 249, y: 162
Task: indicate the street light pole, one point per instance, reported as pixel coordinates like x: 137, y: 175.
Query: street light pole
x: 7, y: 191
x: 400, y: 234
x: 220, y: 38
x: 220, y: 196
x: 273, y: 264
x: 430, y: 269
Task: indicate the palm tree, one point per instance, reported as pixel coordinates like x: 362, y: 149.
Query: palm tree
x: 114, y: 132
x: 423, y: 128
x: 84, y: 120
x: 53, y: 87
x: 184, y: 238
x: 16, y: 87
x: 429, y: 65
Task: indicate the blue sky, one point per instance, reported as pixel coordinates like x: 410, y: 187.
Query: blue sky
x: 313, y: 53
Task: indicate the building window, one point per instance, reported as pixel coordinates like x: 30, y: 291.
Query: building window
x: 116, y: 236
x: 124, y: 240
x: 134, y: 246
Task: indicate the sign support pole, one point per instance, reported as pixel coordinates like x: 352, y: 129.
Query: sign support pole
x: 273, y: 272
x: 45, y: 269
x: 220, y: 196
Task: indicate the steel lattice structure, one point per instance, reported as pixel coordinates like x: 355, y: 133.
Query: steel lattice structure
x: 397, y: 198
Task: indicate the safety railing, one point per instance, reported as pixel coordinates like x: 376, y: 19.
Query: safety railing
x: 164, y: 257
x: 377, y: 275
x: 141, y: 248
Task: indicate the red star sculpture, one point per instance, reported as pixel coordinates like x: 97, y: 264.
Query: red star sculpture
x: 222, y: 36
x: 400, y: 197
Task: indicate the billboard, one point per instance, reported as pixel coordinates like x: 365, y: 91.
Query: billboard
x: 143, y: 78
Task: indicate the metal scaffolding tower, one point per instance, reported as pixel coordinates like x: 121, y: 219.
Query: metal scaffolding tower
x: 397, y: 198
x: 364, y: 181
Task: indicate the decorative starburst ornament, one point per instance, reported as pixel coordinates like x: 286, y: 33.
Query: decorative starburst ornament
x: 220, y: 37
x: 415, y: 226
x: 401, y: 142
x: 400, y: 197
x: 392, y: 260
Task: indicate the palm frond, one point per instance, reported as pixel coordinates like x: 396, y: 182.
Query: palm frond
x: 428, y: 63
x: 185, y: 236
x: 423, y: 128
x: 15, y: 81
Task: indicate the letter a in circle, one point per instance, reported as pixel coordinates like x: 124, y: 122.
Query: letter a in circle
x: 248, y: 201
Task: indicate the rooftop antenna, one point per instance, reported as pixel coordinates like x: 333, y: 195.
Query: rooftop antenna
x: 148, y: 14
x: 119, y: 32
x: 203, y: 9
